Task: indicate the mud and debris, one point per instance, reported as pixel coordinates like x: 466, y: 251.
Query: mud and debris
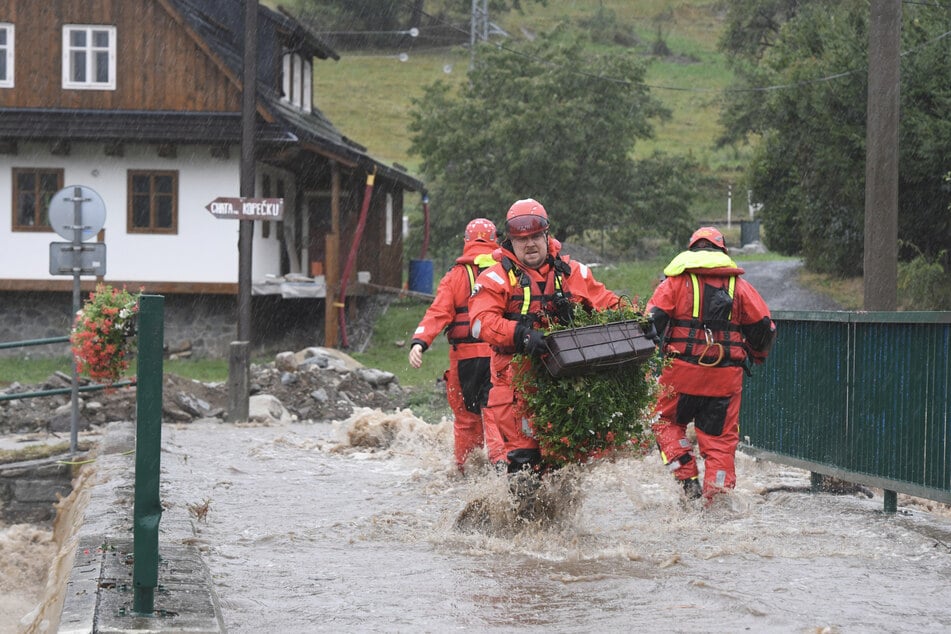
x: 318, y: 384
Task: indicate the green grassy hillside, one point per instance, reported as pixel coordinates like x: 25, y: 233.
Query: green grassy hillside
x: 368, y: 94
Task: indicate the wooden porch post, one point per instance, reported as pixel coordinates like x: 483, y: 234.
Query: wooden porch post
x: 332, y: 262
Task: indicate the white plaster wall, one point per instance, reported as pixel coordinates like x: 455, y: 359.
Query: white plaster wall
x: 205, y: 249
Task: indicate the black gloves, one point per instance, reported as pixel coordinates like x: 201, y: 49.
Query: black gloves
x: 529, y: 341
x: 650, y: 331
x: 659, y: 320
x: 564, y: 310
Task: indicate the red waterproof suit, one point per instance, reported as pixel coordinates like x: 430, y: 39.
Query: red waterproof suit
x: 711, y: 321
x: 507, y: 295
x: 467, y: 379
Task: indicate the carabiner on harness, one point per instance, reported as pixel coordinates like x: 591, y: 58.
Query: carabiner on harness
x: 708, y: 335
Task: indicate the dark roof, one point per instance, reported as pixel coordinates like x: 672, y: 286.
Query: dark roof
x: 148, y: 126
x: 219, y: 23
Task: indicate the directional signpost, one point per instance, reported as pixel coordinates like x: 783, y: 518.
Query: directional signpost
x: 247, y: 208
x: 244, y: 209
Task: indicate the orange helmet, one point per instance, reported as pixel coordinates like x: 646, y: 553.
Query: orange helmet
x: 711, y: 235
x: 526, y: 217
x: 480, y: 229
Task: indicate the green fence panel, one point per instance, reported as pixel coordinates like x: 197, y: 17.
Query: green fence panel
x: 860, y: 395
x: 792, y: 403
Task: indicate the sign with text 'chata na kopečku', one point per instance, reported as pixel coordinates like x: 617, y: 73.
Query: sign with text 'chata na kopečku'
x: 247, y: 208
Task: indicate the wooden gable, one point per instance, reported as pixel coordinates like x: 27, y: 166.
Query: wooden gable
x: 160, y: 65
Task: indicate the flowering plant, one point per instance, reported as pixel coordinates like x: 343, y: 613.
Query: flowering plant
x: 595, y: 414
x: 103, y: 336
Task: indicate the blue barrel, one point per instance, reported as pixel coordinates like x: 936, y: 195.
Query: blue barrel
x: 421, y: 276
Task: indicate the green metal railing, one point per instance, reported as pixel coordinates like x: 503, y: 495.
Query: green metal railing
x: 73, y: 390
x: 148, y: 450
x: 862, y: 396
x: 147, y: 511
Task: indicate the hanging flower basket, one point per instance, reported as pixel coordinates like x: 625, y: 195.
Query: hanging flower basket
x: 593, y: 394
x: 103, y: 336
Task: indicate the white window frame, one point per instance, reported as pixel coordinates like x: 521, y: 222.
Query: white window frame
x: 388, y: 231
x: 6, y: 51
x: 297, y: 81
x: 89, y: 49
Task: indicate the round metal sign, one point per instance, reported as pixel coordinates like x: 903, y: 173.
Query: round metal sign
x: 63, y: 212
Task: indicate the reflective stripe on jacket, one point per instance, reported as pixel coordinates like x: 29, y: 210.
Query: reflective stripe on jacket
x: 449, y: 311
x: 708, y: 303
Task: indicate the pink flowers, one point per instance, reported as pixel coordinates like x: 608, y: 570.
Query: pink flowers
x: 103, y: 336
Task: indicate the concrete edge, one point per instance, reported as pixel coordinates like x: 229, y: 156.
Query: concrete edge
x: 98, y: 594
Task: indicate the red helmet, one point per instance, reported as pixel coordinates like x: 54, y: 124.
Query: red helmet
x: 526, y: 218
x: 480, y: 229
x: 711, y: 235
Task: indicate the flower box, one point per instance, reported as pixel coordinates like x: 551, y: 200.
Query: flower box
x: 613, y: 346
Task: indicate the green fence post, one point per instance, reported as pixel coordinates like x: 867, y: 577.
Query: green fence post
x: 148, y: 444
x: 891, y: 501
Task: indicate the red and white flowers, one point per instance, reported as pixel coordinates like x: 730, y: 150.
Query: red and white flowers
x: 103, y: 336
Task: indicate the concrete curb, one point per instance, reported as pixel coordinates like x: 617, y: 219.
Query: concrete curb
x: 99, y: 593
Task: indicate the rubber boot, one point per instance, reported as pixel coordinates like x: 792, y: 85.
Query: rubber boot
x: 521, y: 459
x: 692, y: 488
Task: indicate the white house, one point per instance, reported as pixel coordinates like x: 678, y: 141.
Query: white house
x: 140, y: 100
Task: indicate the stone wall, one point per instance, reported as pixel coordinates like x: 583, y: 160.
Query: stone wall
x: 28, y: 490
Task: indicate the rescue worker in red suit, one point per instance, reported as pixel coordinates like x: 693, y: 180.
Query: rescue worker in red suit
x: 712, y: 323
x: 467, y: 379
x: 530, y: 287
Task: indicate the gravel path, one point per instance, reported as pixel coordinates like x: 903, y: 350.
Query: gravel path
x: 777, y: 281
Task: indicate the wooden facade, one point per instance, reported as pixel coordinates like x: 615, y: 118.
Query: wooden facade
x: 157, y: 56
x: 173, y: 106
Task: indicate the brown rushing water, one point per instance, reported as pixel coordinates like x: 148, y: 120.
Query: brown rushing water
x: 306, y: 533
x: 309, y: 529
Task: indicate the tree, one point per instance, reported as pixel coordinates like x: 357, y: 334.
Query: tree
x: 550, y: 120
x: 801, y: 88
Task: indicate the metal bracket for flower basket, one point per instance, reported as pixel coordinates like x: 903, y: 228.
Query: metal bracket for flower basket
x: 613, y: 346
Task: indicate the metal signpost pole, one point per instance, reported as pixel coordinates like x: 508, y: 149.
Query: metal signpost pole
x: 76, y: 213
x: 77, y: 271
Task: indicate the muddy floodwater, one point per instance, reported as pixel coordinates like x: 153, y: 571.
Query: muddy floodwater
x: 359, y: 526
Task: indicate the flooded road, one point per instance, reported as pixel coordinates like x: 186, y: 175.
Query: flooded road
x: 355, y: 527
x: 359, y: 526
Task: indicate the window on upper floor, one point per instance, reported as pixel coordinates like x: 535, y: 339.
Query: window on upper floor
x: 153, y: 202
x: 89, y: 57
x: 33, y: 188
x: 6, y: 55
x: 297, y: 88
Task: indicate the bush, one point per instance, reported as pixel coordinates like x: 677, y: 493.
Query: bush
x: 592, y: 415
x: 924, y: 283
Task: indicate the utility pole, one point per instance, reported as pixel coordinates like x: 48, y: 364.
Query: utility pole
x: 239, y: 380
x: 478, y: 27
x: 881, y: 157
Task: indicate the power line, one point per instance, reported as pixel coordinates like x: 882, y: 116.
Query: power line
x: 798, y: 84
x: 936, y: 5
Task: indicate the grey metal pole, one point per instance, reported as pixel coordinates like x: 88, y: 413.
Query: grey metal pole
x: 485, y: 20
x: 472, y: 35
x: 77, y: 291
